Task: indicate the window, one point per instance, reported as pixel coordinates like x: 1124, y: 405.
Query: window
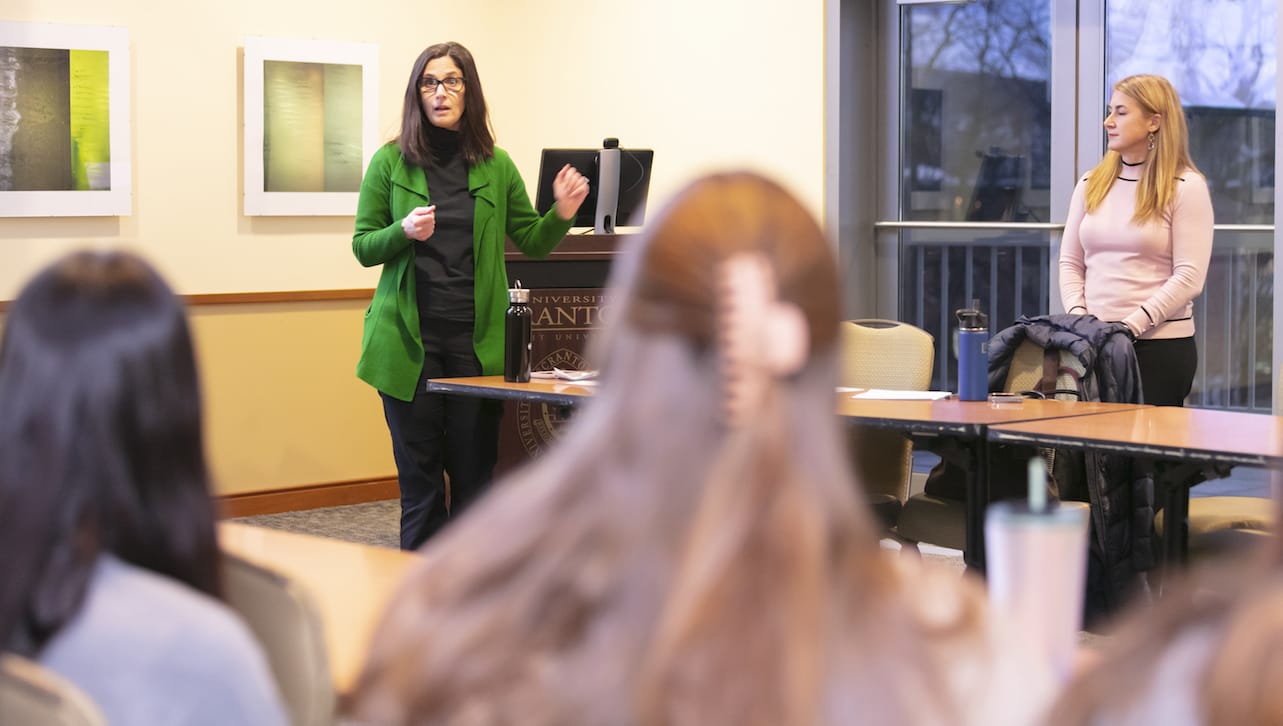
x: 997, y: 110
x: 975, y: 148
x: 976, y: 129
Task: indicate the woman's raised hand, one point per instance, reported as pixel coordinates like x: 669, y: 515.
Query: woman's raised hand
x: 569, y: 188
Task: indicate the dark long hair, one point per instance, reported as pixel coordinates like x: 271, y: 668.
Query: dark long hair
x: 101, y: 446
x: 476, y: 137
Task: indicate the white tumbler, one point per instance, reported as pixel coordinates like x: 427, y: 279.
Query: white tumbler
x: 1036, y: 565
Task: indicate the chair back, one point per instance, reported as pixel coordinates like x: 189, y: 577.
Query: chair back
x: 287, y: 623
x: 1054, y: 374
x: 33, y: 695
x: 884, y: 354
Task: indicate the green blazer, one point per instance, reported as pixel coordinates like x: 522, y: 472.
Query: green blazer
x: 391, y: 349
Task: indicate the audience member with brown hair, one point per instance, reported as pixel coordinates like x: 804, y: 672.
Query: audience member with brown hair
x: 694, y: 550
x: 1209, y: 652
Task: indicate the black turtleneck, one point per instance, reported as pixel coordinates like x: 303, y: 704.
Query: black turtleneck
x: 444, y: 265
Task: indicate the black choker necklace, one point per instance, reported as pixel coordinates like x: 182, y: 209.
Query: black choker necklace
x: 1142, y: 161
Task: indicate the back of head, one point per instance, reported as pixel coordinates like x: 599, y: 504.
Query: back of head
x: 100, y: 439
x: 671, y: 282
x: 773, y: 519
x: 666, y: 562
x: 684, y: 333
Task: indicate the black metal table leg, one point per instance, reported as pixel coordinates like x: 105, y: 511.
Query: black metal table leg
x: 1175, y: 522
x: 977, y: 502
x: 1173, y: 481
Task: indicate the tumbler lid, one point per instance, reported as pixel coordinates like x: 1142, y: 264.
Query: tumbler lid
x: 518, y: 294
x: 971, y: 318
x: 1056, y: 514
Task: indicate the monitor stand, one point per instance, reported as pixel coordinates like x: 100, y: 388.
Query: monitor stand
x: 607, y: 187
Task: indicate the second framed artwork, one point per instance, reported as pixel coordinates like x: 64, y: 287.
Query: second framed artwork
x: 311, y: 124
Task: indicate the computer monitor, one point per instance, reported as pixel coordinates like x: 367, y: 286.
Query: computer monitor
x: 632, y: 185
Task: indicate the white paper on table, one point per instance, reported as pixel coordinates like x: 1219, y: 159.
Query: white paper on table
x: 886, y: 394
x: 568, y: 375
x: 565, y: 375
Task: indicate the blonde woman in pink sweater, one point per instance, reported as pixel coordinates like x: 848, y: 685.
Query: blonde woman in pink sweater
x: 1139, y: 235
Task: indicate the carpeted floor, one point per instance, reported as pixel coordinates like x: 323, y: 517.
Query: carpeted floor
x: 374, y: 523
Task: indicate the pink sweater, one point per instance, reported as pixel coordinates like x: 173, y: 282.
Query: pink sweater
x: 1146, y: 276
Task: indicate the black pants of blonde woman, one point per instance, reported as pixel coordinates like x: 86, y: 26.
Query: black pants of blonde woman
x: 1167, y: 367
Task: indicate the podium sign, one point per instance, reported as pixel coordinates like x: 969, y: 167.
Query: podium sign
x: 562, y: 320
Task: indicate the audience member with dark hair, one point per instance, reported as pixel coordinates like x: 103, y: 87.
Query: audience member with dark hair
x: 694, y: 549
x: 109, y: 559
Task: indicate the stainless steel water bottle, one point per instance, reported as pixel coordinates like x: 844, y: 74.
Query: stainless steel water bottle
x: 516, y: 336
x: 973, y: 353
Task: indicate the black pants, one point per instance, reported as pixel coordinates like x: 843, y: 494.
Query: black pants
x: 1167, y: 367
x: 435, y: 436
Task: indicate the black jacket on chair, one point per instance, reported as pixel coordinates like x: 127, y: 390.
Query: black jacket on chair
x: 1122, y: 500
x: 1104, y: 349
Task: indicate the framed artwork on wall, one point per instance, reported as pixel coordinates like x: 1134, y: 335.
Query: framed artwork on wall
x: 64, y: 121
x: 311, y: 124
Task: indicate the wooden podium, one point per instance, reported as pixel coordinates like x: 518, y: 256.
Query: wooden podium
x: 566, y: 298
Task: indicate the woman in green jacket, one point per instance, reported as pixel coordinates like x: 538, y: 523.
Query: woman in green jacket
x: 439, y: 305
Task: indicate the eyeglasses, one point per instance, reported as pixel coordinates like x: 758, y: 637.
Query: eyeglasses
x: 453, y: 84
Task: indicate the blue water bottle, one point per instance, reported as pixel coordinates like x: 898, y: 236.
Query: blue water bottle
x: 973, y: 353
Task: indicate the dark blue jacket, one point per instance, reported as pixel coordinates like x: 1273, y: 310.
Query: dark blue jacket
x: 1104, y: 349
x: 1122, y: 500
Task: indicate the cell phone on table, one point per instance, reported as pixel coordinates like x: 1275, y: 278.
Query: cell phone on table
x: 1006, y: 398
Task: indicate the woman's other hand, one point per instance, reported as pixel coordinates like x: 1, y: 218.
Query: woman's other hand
x: 420, y: 223
x: 569, y: 189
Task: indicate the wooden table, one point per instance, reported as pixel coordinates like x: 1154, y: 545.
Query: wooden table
x: 1183, y: 444
x: 963, y: 427
x: 967, y: 418
x: 351, y: 584
x: 962, y: 422
x: 538, y: 390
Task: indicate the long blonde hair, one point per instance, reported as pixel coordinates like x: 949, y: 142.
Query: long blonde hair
x: 658, y: 567
x: 1169, y: 158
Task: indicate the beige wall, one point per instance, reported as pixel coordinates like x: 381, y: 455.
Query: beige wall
x: 707, y: 84
x: 282, y: 405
